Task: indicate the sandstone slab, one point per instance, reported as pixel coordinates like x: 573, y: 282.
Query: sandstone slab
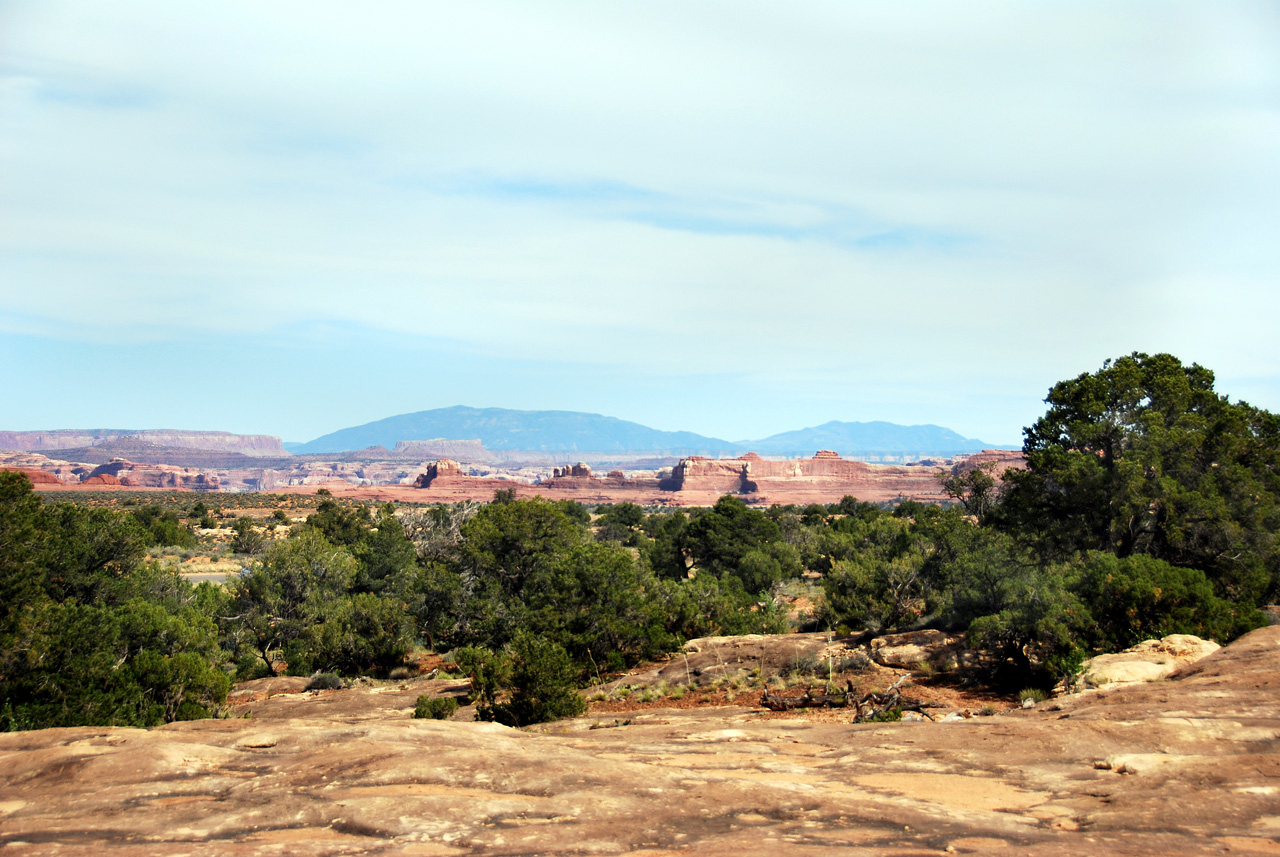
x: 912, y: 648
x: 330, y: 779
x: 1150, y: 660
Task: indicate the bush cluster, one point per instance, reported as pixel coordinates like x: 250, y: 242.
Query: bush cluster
x: 1149, y: 506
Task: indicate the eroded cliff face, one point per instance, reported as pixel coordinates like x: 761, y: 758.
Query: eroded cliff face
x: 822, y: 478
x: 131, y: 475
x: 444, y: 470
x: 219, y: 441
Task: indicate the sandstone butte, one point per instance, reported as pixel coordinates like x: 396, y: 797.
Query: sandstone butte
x: 1189, y: 765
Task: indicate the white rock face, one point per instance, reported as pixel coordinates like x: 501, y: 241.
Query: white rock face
x: 1150, y: 660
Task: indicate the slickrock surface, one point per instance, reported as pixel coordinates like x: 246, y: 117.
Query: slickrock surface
x: 1189, y: 765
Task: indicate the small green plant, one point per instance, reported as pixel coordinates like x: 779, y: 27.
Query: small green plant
x: 804, y: 665
x: 893, y: 715
x: 401, y: 673
x: 987, y: 710
x: 435, y: 708
x: 1034, y: 694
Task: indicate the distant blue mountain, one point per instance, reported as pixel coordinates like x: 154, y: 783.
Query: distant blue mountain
x: 868, y: 439
x: 501, y: 429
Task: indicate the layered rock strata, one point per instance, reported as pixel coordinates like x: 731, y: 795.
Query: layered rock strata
x: 219, y: 441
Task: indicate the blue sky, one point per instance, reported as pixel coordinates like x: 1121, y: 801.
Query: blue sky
x: 730, y: 218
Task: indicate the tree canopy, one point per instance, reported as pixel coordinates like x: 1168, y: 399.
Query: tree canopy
x: 1144, y: 457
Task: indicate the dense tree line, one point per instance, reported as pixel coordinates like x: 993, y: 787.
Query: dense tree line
x: 1148, y: 506
x: 91, y: 635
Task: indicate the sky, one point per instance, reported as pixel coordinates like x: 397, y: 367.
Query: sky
x: 733, y: 218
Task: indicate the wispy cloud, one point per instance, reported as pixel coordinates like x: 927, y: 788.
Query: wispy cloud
x: 818, y: 205
x: 796, y: 219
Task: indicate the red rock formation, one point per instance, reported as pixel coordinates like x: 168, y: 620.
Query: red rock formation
x: 133, y: 475
x: 444, y: 470
x: 824, y: 478
x: 36, y: 477
x: 101, y: 479
x: 999, y: 460
x: 579, y: 471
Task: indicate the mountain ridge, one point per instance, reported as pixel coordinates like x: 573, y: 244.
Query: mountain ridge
x: 504, y: 429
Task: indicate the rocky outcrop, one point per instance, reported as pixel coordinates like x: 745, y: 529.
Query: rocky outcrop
x: 575, y: 471
x: 444, y: 470
x: 220, y: 441
x: 131, y: 475
x: 1150, y: 660
x: 65, y: 472
x: 35, y: 477
x: 913, y: 648
x: 994, y: 461
x: 824, y: 478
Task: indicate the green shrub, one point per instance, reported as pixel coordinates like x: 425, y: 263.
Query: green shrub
x: 893, y: 715
x: 435, y: 708
x: 543, y: 684
x: 325, y: 681
x: 1138, y: 598
x: 247, y: 539
x: 805, y: 664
